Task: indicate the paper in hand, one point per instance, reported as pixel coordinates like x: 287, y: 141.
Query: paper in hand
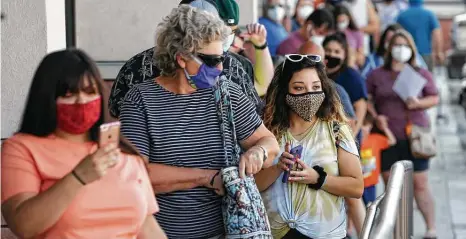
x: 409, y: 83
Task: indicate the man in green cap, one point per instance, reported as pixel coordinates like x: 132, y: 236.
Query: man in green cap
x: 262, y: 71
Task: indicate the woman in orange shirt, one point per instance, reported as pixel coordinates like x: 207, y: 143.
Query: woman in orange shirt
x: 56, y: 182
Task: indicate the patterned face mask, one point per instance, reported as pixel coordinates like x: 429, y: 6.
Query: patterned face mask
x: 305, y: 105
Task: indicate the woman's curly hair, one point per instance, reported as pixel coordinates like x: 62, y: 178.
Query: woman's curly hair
x: 183, y: 32
x: 277, y: 112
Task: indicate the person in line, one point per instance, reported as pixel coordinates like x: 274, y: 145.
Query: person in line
x: 354, y: 37
x: 56, y: 181
x: 303, y: 109
x: 303, y: 9
x: 366, y: 19
x: 177, y: 121
x: 336, y: 56
x: 260, y: 74
x: 310, y: 48
x: 376, y: 59
x: 390, y: 111
x: 425, y: 30
x: 388, y: 11
x: 142, y: 67
x: 272, y: 18
x: 317, y: 26
x: 374, y: 141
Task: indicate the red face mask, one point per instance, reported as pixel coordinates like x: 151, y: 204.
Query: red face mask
x: 78, y: 118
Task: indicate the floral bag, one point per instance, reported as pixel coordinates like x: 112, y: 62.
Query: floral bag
x: 243, y: 211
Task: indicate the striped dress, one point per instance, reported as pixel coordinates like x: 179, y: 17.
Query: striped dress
x: 183, y: 131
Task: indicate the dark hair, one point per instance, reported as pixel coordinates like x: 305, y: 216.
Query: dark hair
x: 59, y: 73
x: 342, y: 10
x: 320, y: 17
x: 381, y: 48
x: 388, y: 56
x: 276, y: 112
x: 340, y: 38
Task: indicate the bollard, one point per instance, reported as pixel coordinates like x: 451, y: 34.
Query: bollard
x: 395, y: 217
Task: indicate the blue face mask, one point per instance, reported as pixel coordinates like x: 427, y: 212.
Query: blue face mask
x: 205, y: 78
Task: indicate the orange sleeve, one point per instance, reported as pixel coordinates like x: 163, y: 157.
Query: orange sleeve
x: 19, y: 172
x: 382, y: 141
x: 152, y: 205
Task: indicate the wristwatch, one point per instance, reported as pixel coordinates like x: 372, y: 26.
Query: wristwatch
x: 264, y: 150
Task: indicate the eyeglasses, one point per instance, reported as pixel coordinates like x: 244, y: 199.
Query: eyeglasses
x: 210, y: 60
x: 298, y: 58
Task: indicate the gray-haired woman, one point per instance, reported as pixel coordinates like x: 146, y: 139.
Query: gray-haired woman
x: 176, y: 121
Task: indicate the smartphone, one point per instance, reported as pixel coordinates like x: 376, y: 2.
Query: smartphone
x: 109, y: 133
x: 296, y: 152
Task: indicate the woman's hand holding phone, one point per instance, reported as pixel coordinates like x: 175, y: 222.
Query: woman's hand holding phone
x: 306, y: 176
x: 94, y: 166
x: 286, y: 159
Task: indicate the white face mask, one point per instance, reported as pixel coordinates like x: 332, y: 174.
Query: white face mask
x: 318, y: 40
x: 305, y: 11
x: 401, y: 53
x: 227, y: 43
x: 343, y: 25
x: 276, y: 13
x: 291, y: 7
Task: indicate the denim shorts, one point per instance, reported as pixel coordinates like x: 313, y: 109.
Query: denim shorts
x: 369, y: 194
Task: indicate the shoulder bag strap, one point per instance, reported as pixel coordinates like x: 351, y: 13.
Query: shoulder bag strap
x: 226, y: 120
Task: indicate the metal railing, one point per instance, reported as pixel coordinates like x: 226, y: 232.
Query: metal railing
x: 391, y: 214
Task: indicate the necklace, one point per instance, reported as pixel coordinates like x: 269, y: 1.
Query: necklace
x: 305, y: 132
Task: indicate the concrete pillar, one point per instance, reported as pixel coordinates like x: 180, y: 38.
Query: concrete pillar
x: 23, y: 44
x: 56, y: 25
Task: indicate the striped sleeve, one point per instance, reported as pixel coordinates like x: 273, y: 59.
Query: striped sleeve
x: 245, y: 116
x: 134, y: 121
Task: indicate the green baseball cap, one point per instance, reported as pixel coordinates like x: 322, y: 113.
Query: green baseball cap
x: 228, y: 11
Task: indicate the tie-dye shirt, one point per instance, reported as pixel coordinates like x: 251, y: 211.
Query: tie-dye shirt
x: 316, y: 214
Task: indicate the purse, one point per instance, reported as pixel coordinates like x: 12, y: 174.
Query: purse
x: 422, y: 141
x: 244, y: 214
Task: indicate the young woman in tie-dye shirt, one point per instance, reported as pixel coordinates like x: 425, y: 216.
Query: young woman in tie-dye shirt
x: 303, y: 109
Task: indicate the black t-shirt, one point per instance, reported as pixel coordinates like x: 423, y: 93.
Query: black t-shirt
x: 141, y: 67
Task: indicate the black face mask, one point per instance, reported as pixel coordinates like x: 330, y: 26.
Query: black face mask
x: 333, y: 62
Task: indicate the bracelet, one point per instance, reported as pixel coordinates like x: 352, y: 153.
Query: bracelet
x: 261, y: 47
x: 321, y: 180
x: 78, y: 178
x: 213, y: 178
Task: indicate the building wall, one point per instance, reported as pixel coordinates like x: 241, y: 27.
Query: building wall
x: 115, y: 30
x: 112, y: 31
x: 23, y: 44
x: 445, y: 24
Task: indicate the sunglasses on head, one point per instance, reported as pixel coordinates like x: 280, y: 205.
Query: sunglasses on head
x: 210, y: 60
x: 298, y: 58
